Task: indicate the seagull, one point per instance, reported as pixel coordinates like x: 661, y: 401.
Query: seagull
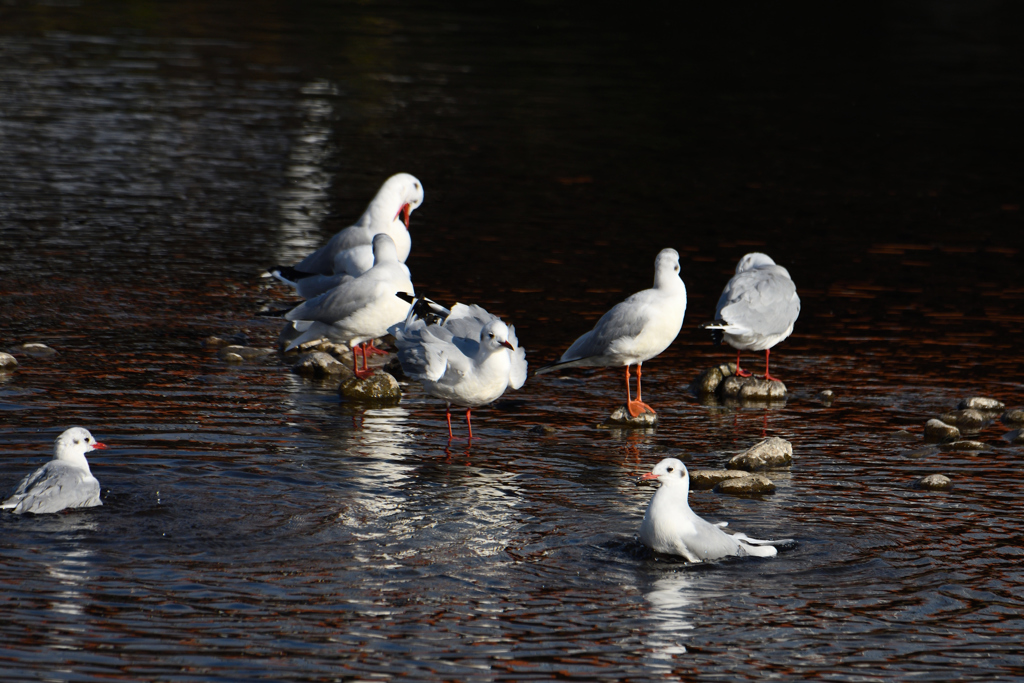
x: 635, y: 330
x: 64, y: 482
x: 360, y: 310
x: 468, y: 357
x: 349, y: 253
x: 757, y: 309
x: 671, y: 527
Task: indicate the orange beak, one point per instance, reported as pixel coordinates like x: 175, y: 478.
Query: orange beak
x: 508, y: 346
x: 99, y: 445
x: 649, y: 475
x: 404, y: 213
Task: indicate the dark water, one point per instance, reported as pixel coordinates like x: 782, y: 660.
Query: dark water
x: 157, y: 156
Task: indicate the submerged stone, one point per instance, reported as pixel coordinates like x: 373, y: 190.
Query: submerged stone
x: 702, y: 480
x: 967, y: 419
x: 980, y: 403
x: 380, y: 387
x: 939, y: 431
x: 709, y: 380
x: 934, y: 482
x: 244, y: 352
x: 826, y: 397
x: 751, y: 484
x: 1014, y: 416
x: 620, y: 417
x: 964, y: 445
x: 921, y: 452
x: 231, y: 358
x: 7, y: 362
x: 772, y: 453
x: 319, y: 364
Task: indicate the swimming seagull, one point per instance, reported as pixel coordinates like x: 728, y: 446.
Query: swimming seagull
x: 349, y: 253
x: 757, y: 309
x: 64, y: 482
x: 360, y: 310
x: 468, y: 358
x: 671, y: 527
x: 635, y: 330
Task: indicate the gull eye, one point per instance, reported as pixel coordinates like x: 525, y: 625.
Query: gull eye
x: 670, y: 469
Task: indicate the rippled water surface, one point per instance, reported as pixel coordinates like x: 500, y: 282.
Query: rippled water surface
x: 157, y: 157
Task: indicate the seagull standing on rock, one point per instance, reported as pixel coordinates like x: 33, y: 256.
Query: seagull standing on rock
x: 349, y: 253
x: 468, y: 358
x: 635, y: 330
x: 757, y: 309
x: 360, y: 310
x: 671, y: 527
x: 64, y: 482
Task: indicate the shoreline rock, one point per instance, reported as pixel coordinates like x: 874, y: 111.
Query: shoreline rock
x: 934, y: 482
x: 981, y: 403
x: 319, y: 364
x: 966, y: 419
x: 704, y: 480
x: 721, y: 382
x: 752, y: 484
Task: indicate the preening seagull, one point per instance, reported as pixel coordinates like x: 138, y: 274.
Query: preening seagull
x: 467, y: 357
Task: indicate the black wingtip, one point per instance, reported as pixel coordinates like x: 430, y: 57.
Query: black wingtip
x: 291, y: 273
x: 405, y: 296
x: 276, y: 313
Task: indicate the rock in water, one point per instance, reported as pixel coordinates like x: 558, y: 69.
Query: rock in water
x: 702, y: 480
x: 319, y: 364
x: 980, y: 403
x: 752, y: 484
x: 752, y: 389
x: 1014, y: 417
x: 35, y: 350
x: 934, y: 482
x: 707, y: 383
x: 938, y: 431
x: 7, y: 362
x: 771, y: 454
x: 621, y: 418
x: 380, y: 387
x: 967, y: 419
x: 248, y: 353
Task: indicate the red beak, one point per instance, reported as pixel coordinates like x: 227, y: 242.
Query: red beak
x: 404, y: 213
x: 508, y: 346
x: 649, y: 475
x: 99, y: 445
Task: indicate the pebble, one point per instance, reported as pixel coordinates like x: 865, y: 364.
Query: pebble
x: 215, y: 342
x: 938, y: 431
x: 966, y: 419
x: 826, y: 397
x: 980, y: 403
x: 231, y: 358
x: 702, y: 480
x: 243, y: 352
x: 621, y: 418
x: 380, y: 387
x: 7, y: 362
x: 934, y: 482
x: 319, y: 364
x: 744, y: 486
x: 35, y: 350
x: 772, y: 453
x: 1014, y: 416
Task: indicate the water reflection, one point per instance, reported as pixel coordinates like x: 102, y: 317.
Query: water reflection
x: 304, y: 201
x: 673, y: 600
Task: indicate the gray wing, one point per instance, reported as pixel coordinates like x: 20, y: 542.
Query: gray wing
x: 624, y: 320
x: 424, y: 350
x: 344, y: 300
x: 321, y: 261
x: 763, y: 300
x: 54, y: 487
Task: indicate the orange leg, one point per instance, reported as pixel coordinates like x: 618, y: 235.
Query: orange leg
x: 468, y: 423
x: 740, y: 373
x: 448, y: 416
x: 364, y: 373
x: 637, y: 407
x: 767, y: 375
x: 368, y: 346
